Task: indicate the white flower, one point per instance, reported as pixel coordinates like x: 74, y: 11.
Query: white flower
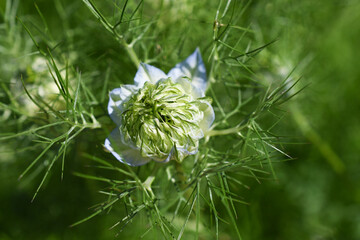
x: 162, y: 116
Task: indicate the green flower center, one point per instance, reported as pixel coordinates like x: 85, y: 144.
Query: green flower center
x: 162, y: 118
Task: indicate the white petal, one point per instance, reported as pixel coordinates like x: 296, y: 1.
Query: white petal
x: 183, y: 152
x: 190, y: 88
x: 196, y: 133
x: 133, y: 157
x: 122, y: 152
x: 186, y: 152
x: 116, y: 98
x: 146, y: 73
x: 209, y: 115
x: 193, y: 68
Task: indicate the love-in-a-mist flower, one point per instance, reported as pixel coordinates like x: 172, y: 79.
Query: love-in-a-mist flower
x: 162, y: 116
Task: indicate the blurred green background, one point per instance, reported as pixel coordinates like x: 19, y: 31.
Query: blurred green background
x: 316, y: 195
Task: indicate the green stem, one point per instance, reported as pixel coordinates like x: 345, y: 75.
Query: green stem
x: 130, y: 50
x: 233, y: 130
x: 182, y: 178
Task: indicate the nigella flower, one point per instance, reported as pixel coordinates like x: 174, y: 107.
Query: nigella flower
x: 162, y: 116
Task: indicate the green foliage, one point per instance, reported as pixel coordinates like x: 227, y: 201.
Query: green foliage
x: 58, y: 62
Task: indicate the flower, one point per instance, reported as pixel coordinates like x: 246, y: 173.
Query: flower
x: 162, y: 116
